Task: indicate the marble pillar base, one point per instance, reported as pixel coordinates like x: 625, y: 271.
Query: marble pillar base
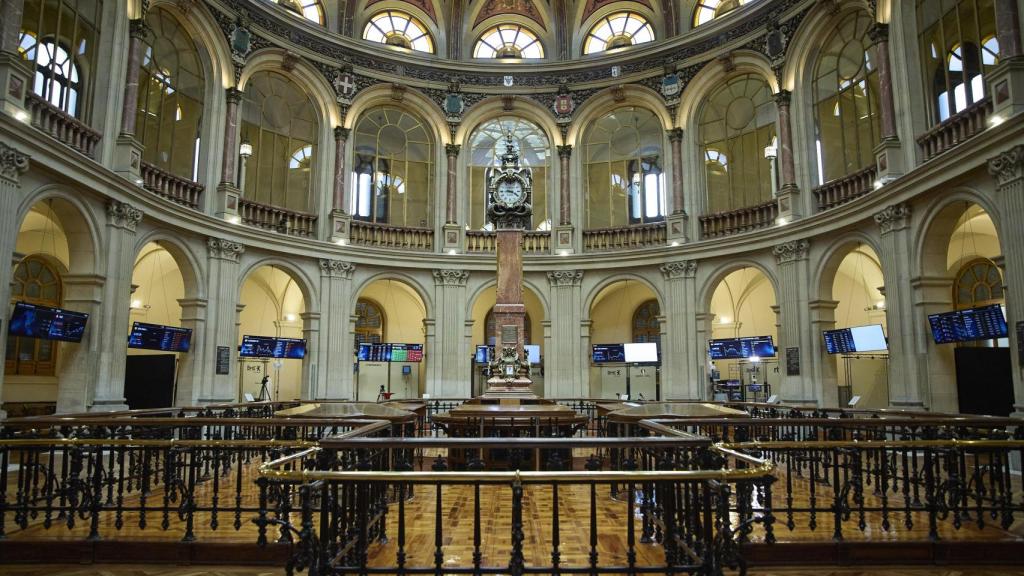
x: 340, y: 226
x: 15, y: 73
x: 789, y: 203
x: 128, y: 158
x: 563, y: 239
x: 1006, y: 86
x: 451, y: 236
x: 677, y: 225
x: 227, y: 201
x: 889, y: 160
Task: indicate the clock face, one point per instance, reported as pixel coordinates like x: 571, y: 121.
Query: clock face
x: 510, y: 192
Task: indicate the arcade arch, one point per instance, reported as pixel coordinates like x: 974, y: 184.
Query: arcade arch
x: 613, y: 317
x: 401, y: 313
x: 744, y: 303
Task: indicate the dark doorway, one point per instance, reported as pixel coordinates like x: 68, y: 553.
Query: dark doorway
x: 149, y: 381
x: 984, y: 381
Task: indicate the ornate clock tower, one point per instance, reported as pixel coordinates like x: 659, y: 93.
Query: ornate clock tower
x: 509, y: 193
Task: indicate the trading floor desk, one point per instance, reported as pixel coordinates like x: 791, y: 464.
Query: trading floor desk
x: 402, y: 416
x: 493, y: 418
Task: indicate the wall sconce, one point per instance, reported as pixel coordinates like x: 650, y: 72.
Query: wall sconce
x: 245, y: 149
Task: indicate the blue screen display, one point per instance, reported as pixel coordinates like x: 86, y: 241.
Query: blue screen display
x: 745, y: 347
x: 608, y: 353
x: 984, y: 323
x: 45, y: 323
x: 157, y: 337
x: 271, y: 347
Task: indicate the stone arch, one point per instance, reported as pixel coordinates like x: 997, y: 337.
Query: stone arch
x: 413, y: 101
x: 77, y: 219
x: 190, y: 266
x: 593, y: 293
x: 713, y: 75
x: 605, y: 101
x: 204, y: 31
x: 303, y: 281
x: 406, y: 279
x: 437, y: 33
x: 707, y: 290
x: 493, y: 107
x: 937, y: 222
x: 806, y: 44
x: 542, y: 26
x: 529, y: 284
x: 303, y: 74
x: 828, y: 265
x: 583, y: 26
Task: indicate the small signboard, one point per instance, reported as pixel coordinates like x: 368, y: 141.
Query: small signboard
x: 223, y: 360
x: 1020, y: 343
x: 793, y: 361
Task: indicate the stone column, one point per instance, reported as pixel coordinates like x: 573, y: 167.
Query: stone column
x: 566, y: 362
x: 937, y: 363
x: 334, y: 381
x: 310, y: 387
x: 450, y: 364
x: 563, y: 232
x: 451, y: 232
x: 1008, y: 28
x: 227, y: 191
x: 192, y: 365
x: 221, y: 328
x: 888, y: 153
x: 1006, y: 80
x: 1008, y: 171
x: 705, y: 332
x: 795, y: 322
x: 15, y: 72
x: 677, y: 220
x: 79, y: 363
x: 789, y: 194
x: 12, y: 165
x: 137, y: 31
x: 112, y: 324
x: 825, y: 374
x: 340, y: 219
x: 896, y: 248
x: 681, y: 351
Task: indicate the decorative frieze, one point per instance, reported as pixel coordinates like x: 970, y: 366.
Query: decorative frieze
x: 224, y: 249
x: 446, y: 277
x: 123, y: 215
x: 791, y: 251
x: 679, y: 269
x: 558, y: 278
x: 12, y: 163
x: 1008, y: 166
x: 895, y: 217
x: 337, y: 268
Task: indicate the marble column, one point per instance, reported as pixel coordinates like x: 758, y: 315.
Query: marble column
x: 310, y: 386
x: 937, y: 363
x: 705, y: 331
x: 12, y: 165
x: 119, y: 256
x: 896, y: 249
x: 221, y: 326
x: 879, y: 34
x: 1008, y: 28
x: 825, y: 374
x: 564, y: 186
x: 340, y: 141
x: 564, y: 372
x: 137, y: 31
x: 795, y: 322
x: 229, y: 165
x: 15, y: 72
x: 79, y: 363
x: 789, y: 194
x: 682, y: 351
x: 675, y: 138
x: 10, y: 28
x: 191, y: 365
x: 1008, y: 171
x: 449, y: 367
x: 334, y: 380
x: 452, y: 152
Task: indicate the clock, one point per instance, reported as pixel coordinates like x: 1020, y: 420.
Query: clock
x: 510, y: 193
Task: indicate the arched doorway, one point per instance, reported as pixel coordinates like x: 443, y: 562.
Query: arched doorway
x: 744, y: 305
x: 389, y: 311
x: 624, y: 311
x: 484, y: 334
x: 272, y: 304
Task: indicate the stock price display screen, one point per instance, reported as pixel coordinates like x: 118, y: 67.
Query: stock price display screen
x: 390, y: 352
x: 983, y: 323
x: 608, y: 353
x: 157, y: 337
x: 746, y: 347
x: 839, y: 341
x: 43, y: 322
x: 271, y: 347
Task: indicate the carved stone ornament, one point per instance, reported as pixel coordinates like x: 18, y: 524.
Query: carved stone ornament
x: 123, y: 215
x: 895, y: 217
x: 447, y: 277
x: 241, y: 40
x: 680, y: 269
x: 1008, y: 166
x: 791, y: 251
x: 224, y: 249
x: 565, y: 277
x: 344, y: 83
x: 12, y: 163
x: 336, y: 268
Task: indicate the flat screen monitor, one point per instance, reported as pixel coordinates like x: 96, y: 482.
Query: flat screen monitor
x: 641, y: 352
x: 272, y: 347
x: 984, y: 323
x: 725, y: 349
x: 390, y: 352
x: 608, y: 353
x: 868, y: 338
x: 483, y: 354
x: 838, y: 341
x: 759, y: 346
x: 533, y: 353
x: 159, y: 337
x: 46, y: 323
x: 745, y: 347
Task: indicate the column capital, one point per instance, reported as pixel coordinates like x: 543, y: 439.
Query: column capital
x: 233, y: 95
x: 336, y: 268
x: 679, y: 269
x: 879, y: 32
x: 783, y: 97
x: 1008, y: 166
x: 565, y: 150
x: 675, y: 134
x: 12, y: 163
x: 137, y: 28
x: 341, y: 133
x: 221, y: 249
x: 452, y: 150
x: 791, y: 251
x: 123, y: 215
x: 558, y: 278
x: 446, y: 277
x: 895, y: 217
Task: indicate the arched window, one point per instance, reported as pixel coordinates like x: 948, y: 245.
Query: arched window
x: 312, y: 10
x: 618, y: 30
x: 396, y: 28
x: 491, y: 331
x: 36, y: 282
x: 279, y: 120
x: 170, y: 106
x: 369, y: 323
x: 707, y: 10
x: 623, y: 165
x: 486, y: 147
x: 846, y: 96
x: 646, y: 327
x: 60, y: 38
x: 393, y: 169
x: 958, y: 47
x: 508, y: 41
x: 737, y: 122
x: 978, y: 283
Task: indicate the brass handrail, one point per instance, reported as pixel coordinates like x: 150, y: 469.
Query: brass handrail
x: 951, y: 443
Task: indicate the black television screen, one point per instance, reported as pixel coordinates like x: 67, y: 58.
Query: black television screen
x: 483, y: 354
x: 158, y: 337
x: 725, y: 349
x: 34, y: 321
x: 984, y: 323
x: 745, y: 347
x: 369, y: 352
x: 272, y: 347
x: 759, y: 346
x: 838, y: 341
x: 608, y: 353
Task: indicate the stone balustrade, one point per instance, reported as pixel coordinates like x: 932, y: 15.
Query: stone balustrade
x: 956, y: 129
x: 739, y: 220
x: 625, y: 237
x: 396, y: 237
x: 485, y: 242
x: 277, y: 219
x: 174, y: 188
x: 842, y: 190
x: 61, y: 126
